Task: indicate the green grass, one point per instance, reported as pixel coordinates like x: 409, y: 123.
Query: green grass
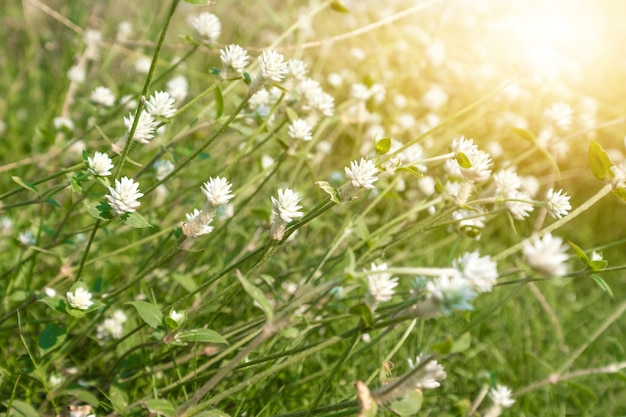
x: 299, y: 325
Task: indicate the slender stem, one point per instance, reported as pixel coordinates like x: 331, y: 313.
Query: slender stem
x: 84, y: 257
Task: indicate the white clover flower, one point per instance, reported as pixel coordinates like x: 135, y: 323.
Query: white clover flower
x: 27, y: 238
x: 429, y: 375
x: 546, y: 254
x: 124, y: 30
x: 178, y: 87
x: 362, y: 174
x: 102, y: 96
x: 143, y: 64
x: 163, y: 167
x: 61, y: 123
x: 447, y: 293
x: 300, y: 129
x: 123, y: 199
x: 518, y: 204
x: 501, y: 396
x: 119, y: 316
x: 359, y: 92
x: 557, y: 203
x: 296, y: 69
x: 272, y: 66
x: 380, y: 284
x: 110, y: 328
x: 507, y: 182
x: 177, y: 317
x: 217, y: 191
x: 480, y: 161
x: 76, y: 74
x: 198, y: 223
x: 560, y: 114
x: 55, y: 380
x: 480, y: 271
x: 79, y: 299
x: 145, y: 127
x: 435, y: 98
x: 100, y: 165
x: 161, y: 104
x: 284, y: 210
x: 234, y: 58
x: 208, y: 26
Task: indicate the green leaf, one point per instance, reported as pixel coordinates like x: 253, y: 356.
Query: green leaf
x: 338, y: 6
x: 383, y: 145
x: 579, y: 253
x: 462, y: 343
x: 53, y: 202
x: 200, y: 2
x: 246, y: 78
x: 524, y: 133
x: 363, y: 311
x: 161, y: 407
x: 211, y: 413
x: 463, y: 160
x: 411, y: 170
x: 186, y: 281
x: 83, y: 396
x: 135, y: 220
x: 149, y: 313
x: 409, y: 404
x: 445, y: 347
x: 599, y: 161
x: 100, y: 210
x: 24, y: 184
x: 51, y: 336
x: 21, y: 409
x: 257, y: 295
x: 292, y: 114
x: 55, y: 303
x: 200, y: 335
x: 603, y: 285
x: 219, y: 102
x: 330, y: 190
x: 118, y: 398
x: 598, y: 265
x: 620, y: 192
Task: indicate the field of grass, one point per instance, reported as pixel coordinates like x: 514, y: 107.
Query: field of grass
x: 324, y: 208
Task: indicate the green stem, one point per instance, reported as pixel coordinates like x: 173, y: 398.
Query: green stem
x: 89, y: 242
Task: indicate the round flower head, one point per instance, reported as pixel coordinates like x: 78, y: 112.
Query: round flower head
x: 300, y: 129
x: 362, y: 174
x: 178, y: 87
x: 381, y: 285
x: 429, y: 375
x: 79, y: 299
x: 480, y: 271
x: 479, y: 168
x: 501, y: 396
x: 286, y: 206
x: 546, y: 255
x: 198, y: 223
x: 161, y: 104
x: 272, y: 66
x: 217, y: 191
x: 100, y: 165
x: 558, y: 203
x: 123, y: 199
x: 145, y: 127
x: 234, y: 59
x: 102, y: 96
x: 208, y: 26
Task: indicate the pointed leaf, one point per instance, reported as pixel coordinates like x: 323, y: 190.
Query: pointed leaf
x: 51, y: 336
x: 411, y: 170
x: 55, y: 303
x: 161, y: 407
x: 330, y: 190
x: 362, y: 310
x: 136, y: 220
x: 462, y: 343
x: 579, y: 253
x: 603, y: 285
x: 383, y: 145
x: 257, y: 295
x: 211, y: 413
x: 598, y: 265
x: 338, y: 6
x: 408, y: 405
x: 149, y: 313
x: 100, y: 210
x: 201, y: 335
x: 118, y: 398
x: 219, y: 102
x: 524, y: 133
x: 25, y: 184
x: 21, y: 409
x: 463, y: 160
x: 599, y: 161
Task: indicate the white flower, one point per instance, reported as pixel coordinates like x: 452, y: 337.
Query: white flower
x: 300, y: 129
x: 61, y: 123
x: 124, y: 30
x: 110, y: 328
x: 507, y: 181
x: 296, y: 69
x: 286, y: 206
x: 198, y: 223
x: 178, y: 87
x: 123, y: 199
x: 119, y: 316
x: 234, y: 58
x: 560, y: 114
x: 100, y: 165
x: 79, y: 299
x: 145, y: 127
x: 142, y: 65
x: 208, y: 26
x: 163, y: 167
x: 362, y: 174
x: 435, y: 98
x: 161, y: 104
x: 380, y: 283
x: 27, y: 238
x: 76, y: 74
x: 448, y: 293
x: 102, y: 96
x: 481, y: 271
x: 501, y: 396
x: 272, y: 66
x: 217, y: 191
x: 176, y: 316
x: 558, y: 203
x: 429, y: 375
x: 480, y: 162
x: 518, y: 205
x: 546, y: 255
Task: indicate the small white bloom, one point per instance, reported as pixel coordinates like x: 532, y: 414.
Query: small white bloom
x: 119, y: 316
x: 55, y: 380
x: 300, y: 129
x: 110, y: 328
x: 100, y: 165
x: 296, y: 69
x: 558, y: 203
x: 177, y: 317
x: 362, y: 174
x: 429, y: 375
x: 123, y: 199
x: 435, y: 98
x: 142, y: 65
x: 145, y: 127
x: 50, y: 292
x: 546, y: 254
x: 506, y: 181
x: 79, y: 299
x: 163, y: 167
x: 286, y: 206
x: 448, y: 293
x: 380, y: 283
x: 234, y: 58
x: 501, y: 396
x: 178, y: 87
x: 519, y: 204
x: 560, y: 114
x: 76, y: 74
x: 217, y: 191
x: 198, y: 223
x: 161, y: 104
x: 102, y: 96
x: 480, y: 162
x: 208, y: 26
x: 27, y: 238
x: 481, y: 271
x: 61, y: 123
x: 124, y: 30
x: 272, y: 66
